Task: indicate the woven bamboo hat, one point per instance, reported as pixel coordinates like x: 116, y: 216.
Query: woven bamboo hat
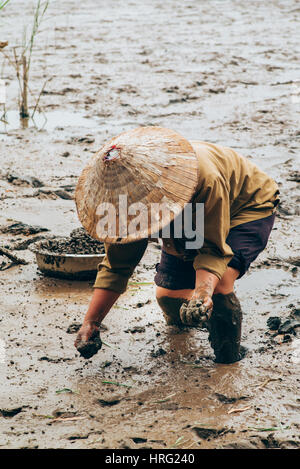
x: 136, y: 184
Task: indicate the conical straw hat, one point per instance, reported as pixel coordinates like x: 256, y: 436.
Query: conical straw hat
x: 141, y: 168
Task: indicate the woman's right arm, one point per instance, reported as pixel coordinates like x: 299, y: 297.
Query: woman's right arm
x: 100, y: 304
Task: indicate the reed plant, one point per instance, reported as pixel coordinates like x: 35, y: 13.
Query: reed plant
x: 3, y: 3
x: 20, y: 57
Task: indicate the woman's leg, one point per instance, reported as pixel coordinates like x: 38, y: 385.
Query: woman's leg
x: 226, y: 284
x: 225, y: 323
x: 175, y: 283
x: 246, y: 241
x: 170, y: 302
x: 225, y: 327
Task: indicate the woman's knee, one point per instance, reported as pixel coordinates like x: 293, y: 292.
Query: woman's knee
x: 166, y: 292
x: 170, y: 302
x: 226, y: 284
x: 170, y: 307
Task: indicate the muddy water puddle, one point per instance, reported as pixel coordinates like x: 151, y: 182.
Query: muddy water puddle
x: 48, y: 121
x: 58, y: 121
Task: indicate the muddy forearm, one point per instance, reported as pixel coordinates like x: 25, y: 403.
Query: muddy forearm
x: 206, y: 283
x: 100, y: 304
x: 88, y: 341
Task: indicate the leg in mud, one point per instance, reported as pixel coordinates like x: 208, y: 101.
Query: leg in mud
x: 170, y: 302
x: 225, y: 327
x: 226, y: 321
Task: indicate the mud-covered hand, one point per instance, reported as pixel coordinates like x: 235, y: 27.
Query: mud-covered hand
x: 88, y: 340
x: 197, y: 311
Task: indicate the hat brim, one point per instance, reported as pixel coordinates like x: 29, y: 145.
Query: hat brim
x: 154, y: 169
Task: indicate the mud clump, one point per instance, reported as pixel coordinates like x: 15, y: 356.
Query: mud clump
x: 22, y: 228
x: 229, y: 400
x: 108, y: 402
x: 73, y: 328
x: 273, y: 323
x: 158, y: 353
x: 138, y: 440
x: 289, y: 326
x: 10, y: 412
x: 89, y: 348
x: 206, y: 433
x: 53, y: 193
x: 19, y: 180
x: 23, y: 245
x: 135, y: 329
x: 79, y: 242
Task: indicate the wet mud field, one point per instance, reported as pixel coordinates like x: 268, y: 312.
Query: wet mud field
x: 221, y: 71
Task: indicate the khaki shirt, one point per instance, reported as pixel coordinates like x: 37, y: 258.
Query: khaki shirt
x: 233, y: 190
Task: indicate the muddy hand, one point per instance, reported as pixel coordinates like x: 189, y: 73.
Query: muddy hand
x: 196, y: 312
x: 88, y: 340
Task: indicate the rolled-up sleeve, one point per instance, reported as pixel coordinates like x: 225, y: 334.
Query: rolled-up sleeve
x: 215, y: 252
x: 118, y: 265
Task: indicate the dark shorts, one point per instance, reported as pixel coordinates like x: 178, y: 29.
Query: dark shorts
x: 246, y: 241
